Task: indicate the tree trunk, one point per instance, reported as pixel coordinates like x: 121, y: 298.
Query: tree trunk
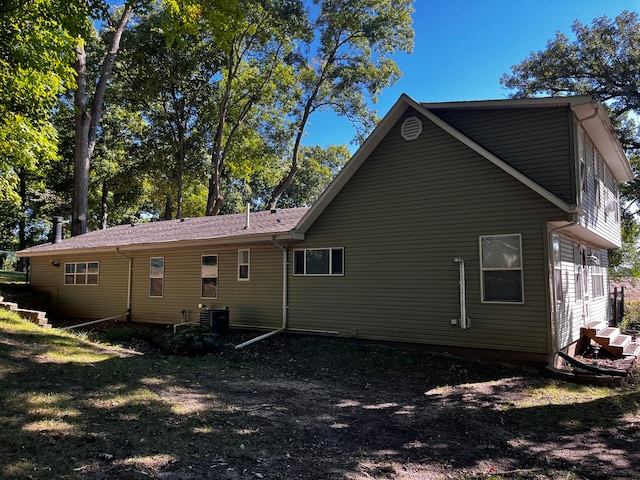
x: 104, y: 206
x: 81, y: 146
x: 180, y: 170
x: 86, y: 122
x: 168, y: 208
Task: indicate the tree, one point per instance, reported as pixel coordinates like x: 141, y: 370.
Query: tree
x: 88, y: 113
x: 37, y: 39
x: 603, y: 61
x: 254, y: 68
x: 355, y: 42
x: 167, y: 73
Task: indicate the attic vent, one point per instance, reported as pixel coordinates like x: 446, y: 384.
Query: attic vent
x: 411, y: 128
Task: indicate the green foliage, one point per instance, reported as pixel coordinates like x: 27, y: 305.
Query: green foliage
x: 631, y: 320
x: 37, y: 39
x: 118, y: 334
x: 194, y: 341
x: 602, y: 61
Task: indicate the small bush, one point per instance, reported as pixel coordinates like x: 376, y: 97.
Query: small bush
x: 194, y: 341
x: 631, y: 320
x: 119, y: 334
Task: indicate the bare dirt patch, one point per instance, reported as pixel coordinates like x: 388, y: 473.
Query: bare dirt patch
x: 322, y: 408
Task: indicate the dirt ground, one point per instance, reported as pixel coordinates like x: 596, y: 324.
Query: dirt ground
x: 326, y: 408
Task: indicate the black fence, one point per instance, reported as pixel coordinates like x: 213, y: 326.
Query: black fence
x: 617, y: 304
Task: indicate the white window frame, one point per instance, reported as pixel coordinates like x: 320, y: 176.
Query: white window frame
x: 557, y: 268
x: 597, y: 277
x: 86, y: 274
x: 330, y: 269
x: 244, y: 263
x: 208, y: 276
x: 155, y: 275
x: 485, y: 269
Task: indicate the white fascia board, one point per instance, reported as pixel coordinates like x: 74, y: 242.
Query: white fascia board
x: 596, y: 122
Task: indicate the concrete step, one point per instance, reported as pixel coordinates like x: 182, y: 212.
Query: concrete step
x: 12, y: 307
x: 606, y: 335
x: 632, y: 350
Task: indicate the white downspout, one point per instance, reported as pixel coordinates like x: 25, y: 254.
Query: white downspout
x: 128, y: 282
x: 285, y: 293
x: 463, y: 321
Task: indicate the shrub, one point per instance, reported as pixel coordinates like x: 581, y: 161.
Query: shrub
x: 631, y: 319
x: 119, y: 334
x: 194, y: 341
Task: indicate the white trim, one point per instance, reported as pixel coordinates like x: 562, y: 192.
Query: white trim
x: 216, y: 277
x: 520, y: 269
x: 151, y: 277
x: 244, y: 264
x: 330, y: 262
x: 75, y: 274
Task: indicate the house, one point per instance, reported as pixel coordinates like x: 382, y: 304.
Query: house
x: 479, y: 225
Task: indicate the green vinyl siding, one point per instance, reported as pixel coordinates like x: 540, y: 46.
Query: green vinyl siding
x: 253, y: 303
x: 406, y: 213
x: 107, y: 299
x: 537, y: 142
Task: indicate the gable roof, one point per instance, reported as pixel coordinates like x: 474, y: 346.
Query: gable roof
x: 589, y: 112
x: 216, y: 229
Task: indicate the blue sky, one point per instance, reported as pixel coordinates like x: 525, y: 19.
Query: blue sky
x: 462, y: 48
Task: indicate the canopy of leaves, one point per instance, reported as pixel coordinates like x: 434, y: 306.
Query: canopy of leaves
x: 36, y: 56
x: 604, y: 61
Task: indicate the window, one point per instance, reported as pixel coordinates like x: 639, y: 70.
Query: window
x: 243, y: 264
x: 320, y: 261
x: 597, y: 280
x: 580, y: 265
x: 501, y: 266
x: 209, y: 276
x: 557, y: 269
x: 156, y: 277
x: 81, y: 273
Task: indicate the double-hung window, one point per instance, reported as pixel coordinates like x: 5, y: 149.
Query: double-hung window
x: 243, y: 265
x: 318, y: 261
x: 81, y: 273
x: 557, y: 269
x: 156, y: 277
x: 501, y: 268
x: 209, y: 276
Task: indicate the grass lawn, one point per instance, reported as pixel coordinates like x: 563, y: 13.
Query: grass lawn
x: 9, y: 276
x: 297, y: 407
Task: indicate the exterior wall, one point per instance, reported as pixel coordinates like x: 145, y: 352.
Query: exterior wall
x: 600, y: 193
x: 409, y: 210
x: 574, y: 312
x: 106, y: 299
x: 257, y: 302
x: 537, y: 142
x: 253, y: 303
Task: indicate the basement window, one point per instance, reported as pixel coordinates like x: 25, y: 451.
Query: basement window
x: 318, y: 261
x: 156, y: 277
x: 501, y: 268
x: 81, y: 273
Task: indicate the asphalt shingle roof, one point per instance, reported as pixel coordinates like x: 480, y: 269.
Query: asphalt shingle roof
x: 169, y: 231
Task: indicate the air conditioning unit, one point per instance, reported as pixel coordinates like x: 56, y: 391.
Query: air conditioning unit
x: 215, y: 320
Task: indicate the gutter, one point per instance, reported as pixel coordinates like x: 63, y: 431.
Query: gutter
x: 128, y: 282
x: 285, y: 294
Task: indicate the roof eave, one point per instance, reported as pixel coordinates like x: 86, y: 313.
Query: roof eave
x: 124, y: 248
